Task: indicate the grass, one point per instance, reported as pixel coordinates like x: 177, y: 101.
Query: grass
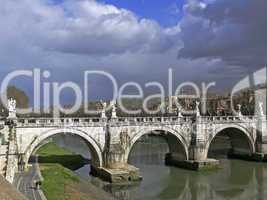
x: 52, y: 148
x: 60, y: 183
x: 52, y: 153
x: 56, y: 181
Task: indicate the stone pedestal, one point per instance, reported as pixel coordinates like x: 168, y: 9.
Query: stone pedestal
x: 196, y: 165
x: 123, y: 175
x: 258, y: 157
x: 116, y: 170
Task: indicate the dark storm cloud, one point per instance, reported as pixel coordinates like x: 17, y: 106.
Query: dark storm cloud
x: 234, y: 31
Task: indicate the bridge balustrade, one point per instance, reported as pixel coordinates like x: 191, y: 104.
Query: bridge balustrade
x: 142, y: 121
x: 224, y: 119
x: 123, y: 121
x: 52, y: 122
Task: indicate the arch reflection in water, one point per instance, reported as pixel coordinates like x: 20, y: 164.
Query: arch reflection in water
x: 236, y: 180
x: 230, y: 142
x: 148, y: 154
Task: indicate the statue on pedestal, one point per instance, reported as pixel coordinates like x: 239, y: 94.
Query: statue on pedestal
x: 239, y: 113
x: 12, y: 104
x: 103, y: 112
x: 197, y: 109
x: 179, y: 110
x: 114, y: 109
x: 162, y: 107
x: 261, y: 109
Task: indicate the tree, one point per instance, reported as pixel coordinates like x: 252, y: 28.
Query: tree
x: 19, y: 95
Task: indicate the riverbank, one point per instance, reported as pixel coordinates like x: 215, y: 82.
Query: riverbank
x: 60, y: 182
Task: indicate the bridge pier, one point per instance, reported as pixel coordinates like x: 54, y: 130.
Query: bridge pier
x: 261, y: 141
x: 198, y: 151
x: 197, y: 160
x: 195, y: 165
x: 258, y: 157
x: 116, y: 169
x: 121, y: 175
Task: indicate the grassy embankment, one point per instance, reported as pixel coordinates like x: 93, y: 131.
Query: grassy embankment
x: 60, y: 183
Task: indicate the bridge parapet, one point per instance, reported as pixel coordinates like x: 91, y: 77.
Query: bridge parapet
x: 228, y: 119
x: 146, y: 121
x: 129, y: 121
x: 60, y: 122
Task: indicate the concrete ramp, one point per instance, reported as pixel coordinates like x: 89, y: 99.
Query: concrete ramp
x: 8, y: 192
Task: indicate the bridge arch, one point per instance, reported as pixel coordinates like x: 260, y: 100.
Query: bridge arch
x: 95, y: 149
x: 176, y: 142
x: 238, y: 133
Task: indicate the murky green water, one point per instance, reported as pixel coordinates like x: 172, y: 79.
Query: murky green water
x: 236, y: 180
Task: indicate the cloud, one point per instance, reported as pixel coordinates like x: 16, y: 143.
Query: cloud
x: 77, y: 35
x: 234, y: 31
x: 85, y: 27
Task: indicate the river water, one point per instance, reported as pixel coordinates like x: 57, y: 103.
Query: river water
x: 235, y: 180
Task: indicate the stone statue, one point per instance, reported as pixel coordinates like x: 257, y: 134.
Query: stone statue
x: 104, y: 107
x: 179, y: 110
x: 197, y: 109
x: 162, y: 107
x: 12, y: 105
x: 261, y: 110
x: 239, y: 113
x: 114, y: 109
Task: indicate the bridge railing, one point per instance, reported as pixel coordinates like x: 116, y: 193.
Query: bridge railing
x: 97, y: 121
x: 148, y: 120
x: 228, y: 118
x: 45, y: 122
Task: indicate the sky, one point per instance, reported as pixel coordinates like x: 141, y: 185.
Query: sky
x: 134, y: 40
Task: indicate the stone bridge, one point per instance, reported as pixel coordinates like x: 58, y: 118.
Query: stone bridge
x: 111, y: 140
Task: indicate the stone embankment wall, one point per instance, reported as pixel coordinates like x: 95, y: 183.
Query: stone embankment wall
x: 12, y: 158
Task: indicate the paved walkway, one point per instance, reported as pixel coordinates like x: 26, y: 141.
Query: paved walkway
x: 25, y: 182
